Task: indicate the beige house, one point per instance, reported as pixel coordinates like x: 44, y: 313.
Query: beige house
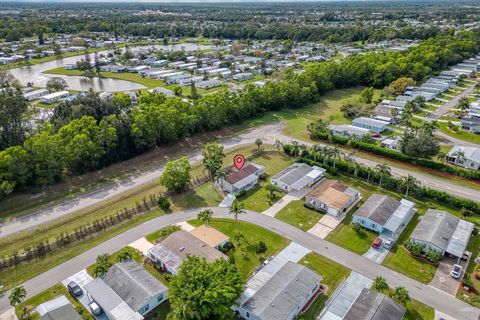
x: 210, y: 236
x: 332, y: 197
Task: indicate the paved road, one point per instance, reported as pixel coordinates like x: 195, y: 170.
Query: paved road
x: 436, y: 114
x: 434, y: 183
x: 455, y: 141
x: 117, y: 188
x: 269, y: 133
x: 437, y: 299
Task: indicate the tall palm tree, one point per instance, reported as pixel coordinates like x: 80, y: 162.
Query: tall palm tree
x: 336, y: 154
x: 237, y: 208
x: 409, y: 182
x: 278, y: 145
x: 383, y: 171
x: 326, y: 154
x: 259, y: 143
x: 315, y: 150
x: 296, y: 148
x: 205, y: 216
x: 380, y: 284
x: 17, y: 296
x: 441, y: 156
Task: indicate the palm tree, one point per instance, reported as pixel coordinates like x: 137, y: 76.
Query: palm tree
x: 400, y: 294
x: 380, y: 284
x: 463, y: 104
x: 315, y: 150
x: 295, y: 148
x: 441, y: 156
x: 356, y: 167
x: 369, y: 173
x: 124, y: 255
x: 258, y: 142
x: 409, y: 182
x: 17, y: 296
x: 326, y: 154
x: 205, y: 216
x: 212, y: 166
x: 384, y: 171
x: 460, y: 155
x: 278, y: 145
x: 336, y: 153
x: 236, y: 209
x: 394, y: 112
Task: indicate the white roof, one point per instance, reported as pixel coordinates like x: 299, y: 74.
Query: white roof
x: 460, y: 238
x: 51, y: 305
x: 398, y: 217
x: 54, y: 95
x: 471, y: 153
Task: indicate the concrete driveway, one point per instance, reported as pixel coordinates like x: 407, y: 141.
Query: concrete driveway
x: 325, y: 225
x: 442, y: 279
x: 376, y: 255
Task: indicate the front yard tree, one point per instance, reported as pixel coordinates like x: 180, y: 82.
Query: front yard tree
x: 400, y: 294
x: 102, y: 265
x: 236, y: 209
x: 420, y: 141
x: 176, y: 175
x: 56, y: 84
x: 17, y: 296
x: 380, y: 284
x: 213, y: 156
x: 205, y: 290
x: 205, y: 216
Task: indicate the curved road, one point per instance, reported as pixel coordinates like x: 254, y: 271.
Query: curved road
x: 435, y: 298
x: 269, y: 133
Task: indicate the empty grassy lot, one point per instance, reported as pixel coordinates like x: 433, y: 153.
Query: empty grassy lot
x: 296, y: 214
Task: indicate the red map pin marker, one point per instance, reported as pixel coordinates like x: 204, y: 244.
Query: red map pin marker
x: 239, y: 161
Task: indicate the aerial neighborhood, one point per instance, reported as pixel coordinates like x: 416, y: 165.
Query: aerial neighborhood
x: 301, y: 160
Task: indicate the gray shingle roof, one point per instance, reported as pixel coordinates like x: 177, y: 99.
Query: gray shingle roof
x: 279, y: 297
x: 371, y: 305
x: 379, y: 208
x: 66, y: 312
x: 133, y: 284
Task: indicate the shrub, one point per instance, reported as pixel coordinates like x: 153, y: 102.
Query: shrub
x: 260, y: 247
x: 227, y: 247
x: 433, y: 256
x: 163, y: 203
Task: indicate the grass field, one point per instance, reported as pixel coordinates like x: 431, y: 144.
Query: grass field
x: 418, y: 311
x: 296, y: 214
x: 459, y: 134
x: 333, y: 274
x: 244, y: 253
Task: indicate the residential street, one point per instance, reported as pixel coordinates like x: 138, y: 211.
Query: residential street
x: 269, y: 133
x: 451, y: 103
x: 439, y: 300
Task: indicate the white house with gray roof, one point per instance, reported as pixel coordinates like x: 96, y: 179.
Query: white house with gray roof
x: 346, y: 130
x: 58, y: 308
x: 297, y: 176
x: 385, y: 215
x: 371, y: 305
x: 442, y: 232
x: 127, y: 291
x: 283, y: 296
x: 466, y: 157
x: 371, y: 124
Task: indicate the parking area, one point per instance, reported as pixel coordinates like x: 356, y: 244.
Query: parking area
x: 82, y: 278
x: 442, y: 279
x: 325, y: 225
x: 376, y: 255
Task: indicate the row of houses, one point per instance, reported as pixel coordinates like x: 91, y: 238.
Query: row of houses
x: 362, y: 126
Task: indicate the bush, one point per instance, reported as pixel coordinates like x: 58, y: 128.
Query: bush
x: 260, y: 247
x: 163, y: 203
x: 227, y: 247
x: 433, y: 256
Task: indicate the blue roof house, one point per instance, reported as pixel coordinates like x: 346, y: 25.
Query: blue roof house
x: 371, y: 124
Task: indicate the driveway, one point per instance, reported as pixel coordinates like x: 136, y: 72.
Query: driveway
x: 442, y: 279
x: 376, y: 255
x: 426, y: 294
x: 325, y: 225
x: 436, y: 114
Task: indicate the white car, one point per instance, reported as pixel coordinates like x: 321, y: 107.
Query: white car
x: 95, y: 308
x: 456, y: 271
x: 387, y: 244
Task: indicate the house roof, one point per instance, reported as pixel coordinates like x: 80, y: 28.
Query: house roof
x: 58, y: 308
x: 299, y: 175
x: 378, y: 208
x: 370, y: 122
x: 181, y: 244
x: 371, y: 305
x: 332, y: 193
x: 209, y: 235
x: 133, y: 284
x: 444, y: 230
x: 280, y: 296
x: 346, y: 128
x: 470, y: 153
x: 247, y: 170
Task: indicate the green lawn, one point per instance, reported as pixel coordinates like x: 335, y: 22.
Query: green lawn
x: 160, y: 312
x: 244, y: 251
x: 459, y: 134
x: 418, y: 311
x: 162, y: 233
x: 346, y: 237
x: 47, y: 295
x: 399, y: 259
x: 204, y: 195
x: 256, y: 198
x: 296, y: 214
x: 474, y: 248
x: 332, y: 273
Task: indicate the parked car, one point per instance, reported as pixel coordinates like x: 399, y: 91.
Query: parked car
x: 456, y: 271
x: 376, y: 135
x: 74, y: 289
x: 387, y: 244
x: 466, y: 256
x: 95, y: 308
x: 377, y: 243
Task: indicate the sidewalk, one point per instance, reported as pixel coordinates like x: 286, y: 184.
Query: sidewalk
x: 9, y: 315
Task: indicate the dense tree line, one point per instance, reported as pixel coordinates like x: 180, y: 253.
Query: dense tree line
x: 90, y: 133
